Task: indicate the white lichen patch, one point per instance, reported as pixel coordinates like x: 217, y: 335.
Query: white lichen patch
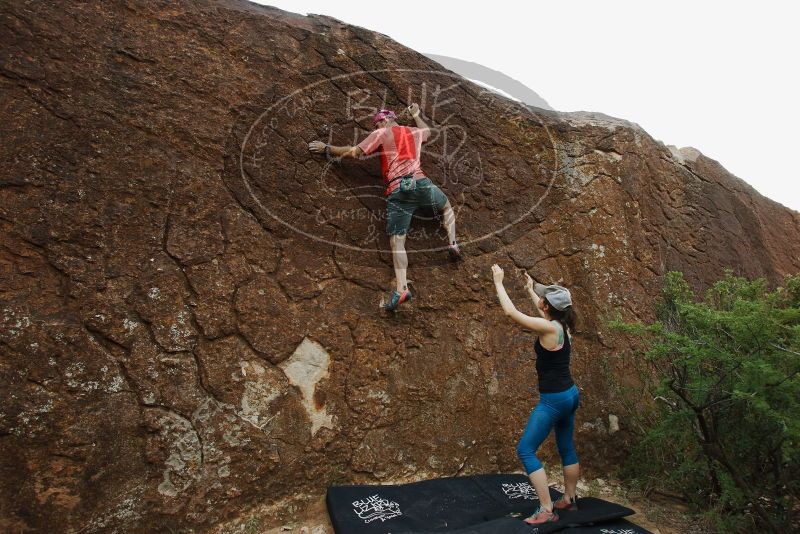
x: 14, y: 324
x: 599, y: 250
x: 304, y: 369
x: 185, y: 458
x: 613, y: 423
x: 116, y: 384
x: 476, y: 335
x: 75, y: 375
x: 262, y: 386
x: 231, y: 439
x: 180, y: 332
x: 612, y: 155
x: 381, y: 396
x: 212, y: 413
x: 126, y: 511
x: 32, y: 420
x: 129, y: 325
x: 494, y: 385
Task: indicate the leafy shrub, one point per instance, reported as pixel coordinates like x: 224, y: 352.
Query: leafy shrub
x: 725, y: 425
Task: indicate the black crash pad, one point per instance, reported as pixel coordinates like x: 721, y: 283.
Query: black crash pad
x: 617, y: 526
x: 504, y: 525
x: 517, y: 526
x: 480, y: 504
x: 591, y: 510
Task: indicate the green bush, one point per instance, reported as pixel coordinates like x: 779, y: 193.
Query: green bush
x: 720, y: 417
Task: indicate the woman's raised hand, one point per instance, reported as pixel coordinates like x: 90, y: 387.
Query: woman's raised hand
x: 528, y: 282
x: 497, y: 273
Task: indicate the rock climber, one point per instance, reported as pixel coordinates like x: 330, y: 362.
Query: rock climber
x: 559, y: 397
x: 407, y: 187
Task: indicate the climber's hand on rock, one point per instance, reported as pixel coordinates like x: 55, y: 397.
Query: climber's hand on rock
x: 528, y: 282
x: 497, y: 274
x: 413, y: 109
x: 316, y: 147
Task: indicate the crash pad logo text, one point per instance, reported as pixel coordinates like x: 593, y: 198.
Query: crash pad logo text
x: 375, y: 507
x: 519, y: 490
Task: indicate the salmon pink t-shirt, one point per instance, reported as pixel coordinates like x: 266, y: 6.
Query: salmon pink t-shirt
x: 400, y: 148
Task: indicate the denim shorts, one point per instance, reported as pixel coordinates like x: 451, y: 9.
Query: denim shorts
x: 400, y: 205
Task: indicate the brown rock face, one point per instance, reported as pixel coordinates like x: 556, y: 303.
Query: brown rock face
x: 189, y: 323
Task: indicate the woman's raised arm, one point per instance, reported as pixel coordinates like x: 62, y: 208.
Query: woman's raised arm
x: 537, y: 324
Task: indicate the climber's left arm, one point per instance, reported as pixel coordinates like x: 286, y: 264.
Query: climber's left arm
x: 336, y: 151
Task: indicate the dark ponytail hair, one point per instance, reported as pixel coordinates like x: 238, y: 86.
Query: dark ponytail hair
x: 568, y: 318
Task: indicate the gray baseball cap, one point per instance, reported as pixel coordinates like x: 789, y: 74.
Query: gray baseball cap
x: 559, y: 297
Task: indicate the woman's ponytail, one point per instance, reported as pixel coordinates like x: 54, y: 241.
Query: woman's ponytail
x: 567, y: 317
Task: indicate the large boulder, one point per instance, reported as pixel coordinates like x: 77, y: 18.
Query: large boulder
x: 189, y: 322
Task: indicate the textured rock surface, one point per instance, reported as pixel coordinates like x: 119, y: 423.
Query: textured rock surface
x: 188, y: 327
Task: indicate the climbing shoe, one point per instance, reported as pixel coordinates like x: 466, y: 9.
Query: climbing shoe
x: 397, y: 299
x: 565, y: 503
x: 454, y: 251
x: 541, y: 516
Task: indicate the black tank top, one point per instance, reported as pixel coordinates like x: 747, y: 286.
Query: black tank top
x: 552, y: 366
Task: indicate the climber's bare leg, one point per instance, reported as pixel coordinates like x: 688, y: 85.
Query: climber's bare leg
x: 449, y: 222
x: 539, y: 482
x: 571, y: 480
x: 400, y: 259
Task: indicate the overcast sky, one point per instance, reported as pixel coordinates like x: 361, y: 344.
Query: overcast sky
x: 719, y: 76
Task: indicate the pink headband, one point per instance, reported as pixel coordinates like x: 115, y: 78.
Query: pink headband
x: 383, y: 115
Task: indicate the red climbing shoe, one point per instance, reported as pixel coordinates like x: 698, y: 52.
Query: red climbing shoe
x: 542, y: 516
x: 565, y: 503
x: 397, y: 299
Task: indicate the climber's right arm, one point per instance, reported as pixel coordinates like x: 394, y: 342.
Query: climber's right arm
x: 532, y: 293
x: 336, y: 151
x: 415, y: 112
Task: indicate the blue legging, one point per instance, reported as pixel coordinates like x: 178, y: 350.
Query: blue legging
x: 554, y: 410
